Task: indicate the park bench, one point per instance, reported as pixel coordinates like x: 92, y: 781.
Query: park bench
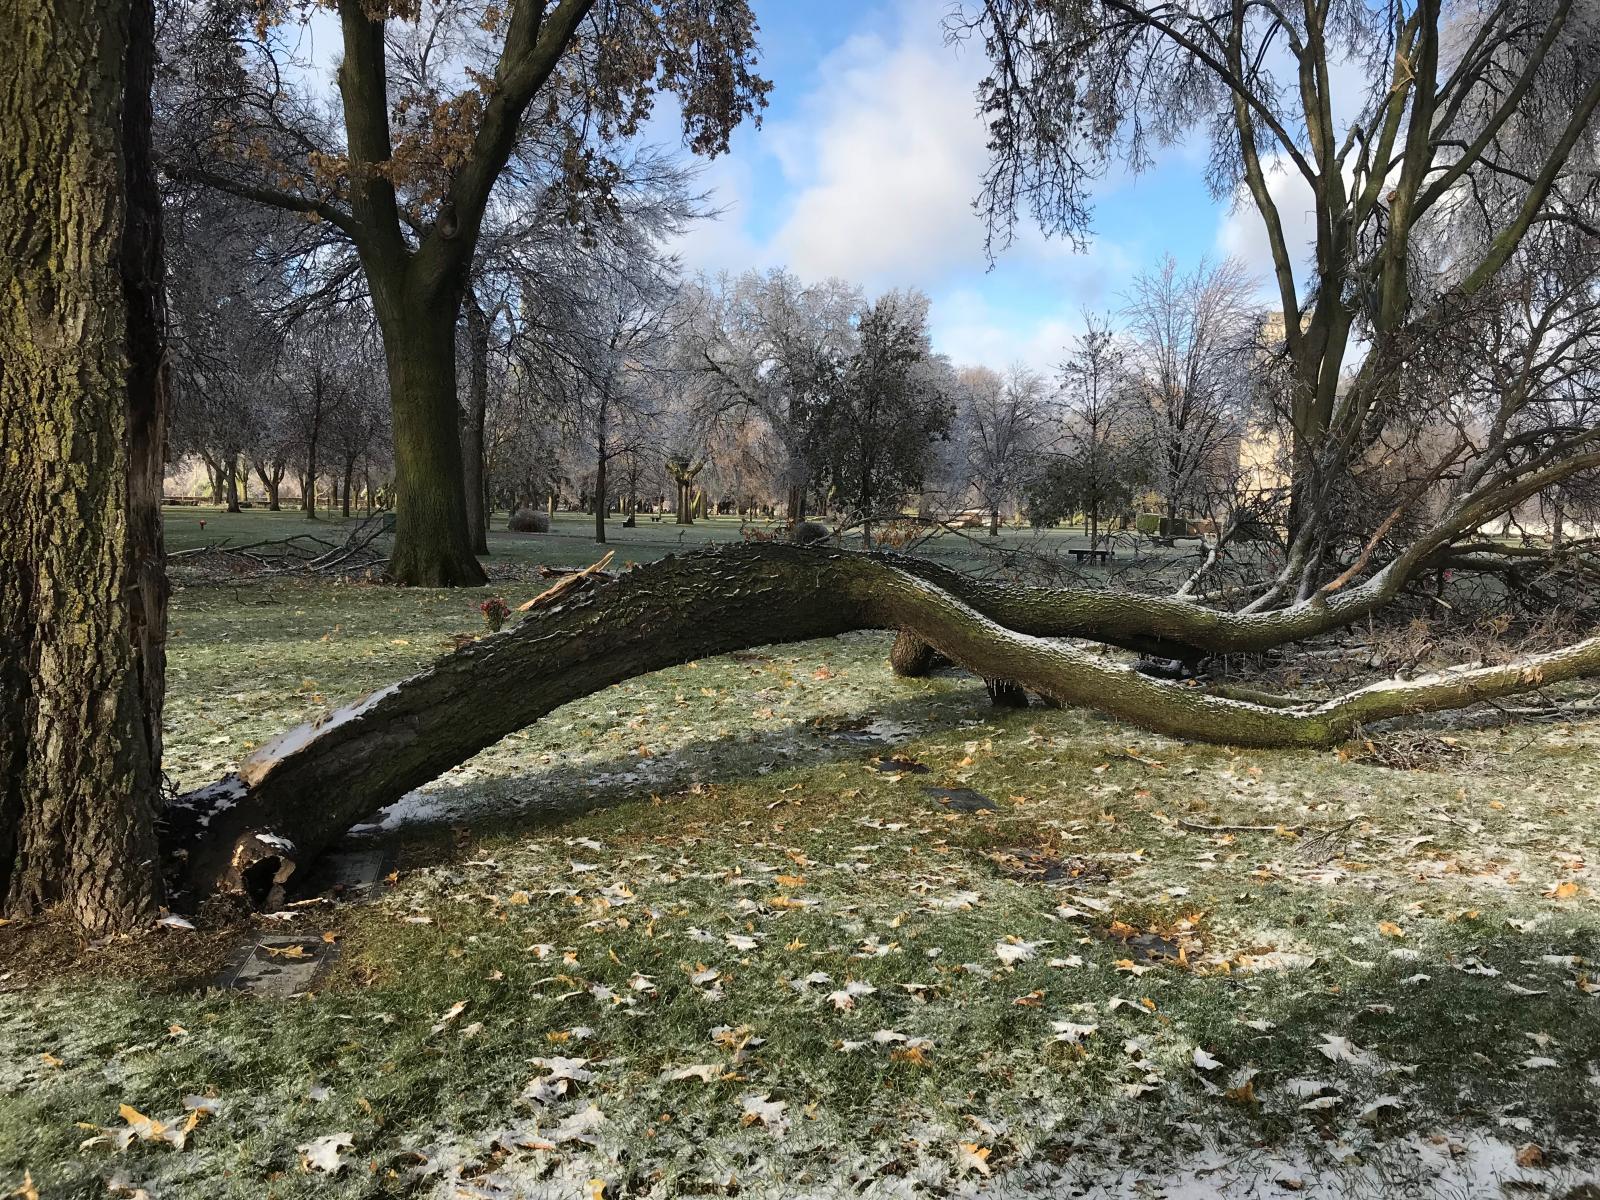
x: 1084, y: 554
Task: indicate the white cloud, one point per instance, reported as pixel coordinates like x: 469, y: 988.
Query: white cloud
x: 723, y: 243
x: 886, y: 154
x: 970, y: 331
x: 1243, y: 233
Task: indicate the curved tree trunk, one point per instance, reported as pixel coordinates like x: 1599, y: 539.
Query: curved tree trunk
x: 82, y: 393
x: 297, y: 795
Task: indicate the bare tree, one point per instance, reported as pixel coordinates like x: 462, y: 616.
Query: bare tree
x: 1096, y: 462
x: 1473, y: 131
x: 1000, y: 420
x: 1189, y: 352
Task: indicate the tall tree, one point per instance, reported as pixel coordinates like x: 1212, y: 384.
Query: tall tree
x: 435, y: 101
x: 82, y: 592
x: 1000, y: 417
x: 778, y: 348
x: 1095, y: 463
x: 1473, y: 128
x: 1190, y: 350
x: 876, y: 433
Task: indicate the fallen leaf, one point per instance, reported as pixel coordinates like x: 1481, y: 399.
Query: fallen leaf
x: 454, y: 1011
x: 325, y: 1153
x: 973, y: 1157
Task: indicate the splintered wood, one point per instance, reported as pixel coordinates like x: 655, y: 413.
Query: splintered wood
x: 553, y: 593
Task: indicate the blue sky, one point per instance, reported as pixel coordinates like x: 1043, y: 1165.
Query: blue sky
x: 867, y: 163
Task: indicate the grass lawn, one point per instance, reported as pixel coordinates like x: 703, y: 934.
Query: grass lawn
x: 570, y: 543
x: 687, y: 937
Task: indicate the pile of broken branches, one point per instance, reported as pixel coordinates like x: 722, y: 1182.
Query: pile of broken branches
x: 361, y: 552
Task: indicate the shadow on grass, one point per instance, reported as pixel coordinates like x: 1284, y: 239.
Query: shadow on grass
x: 536, y: 799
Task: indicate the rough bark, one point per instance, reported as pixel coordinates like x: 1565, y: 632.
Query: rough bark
x: 431, y: 544
x: 82, y: 593
x: 295, y: 796
x: 910, y: 657
x: 472, y: 430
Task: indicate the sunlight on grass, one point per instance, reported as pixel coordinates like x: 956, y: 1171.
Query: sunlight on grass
x: 707, y: 933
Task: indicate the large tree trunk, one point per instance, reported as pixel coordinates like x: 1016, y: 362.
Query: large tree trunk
x: 472, y: 460
x: 230, y: 464
x: 82, y: 592
x: 600, y: 497
x: 431, y: 544
x: 295, y: 796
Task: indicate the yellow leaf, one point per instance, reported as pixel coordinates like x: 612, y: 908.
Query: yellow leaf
x: 1564, y: 891
x: 791, y: 881
x: 50, y: 1060
x: 596, y: 1190
x: 1245, y: 1093
x: 1390, y: 929
x: 975, y: 1156
x: 133, y: 1116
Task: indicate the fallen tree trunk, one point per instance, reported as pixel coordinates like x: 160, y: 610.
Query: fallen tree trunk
x: 298, y: 794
